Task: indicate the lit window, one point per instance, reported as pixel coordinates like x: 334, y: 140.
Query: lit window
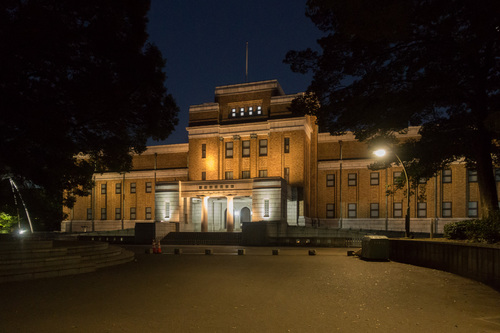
x: 447, y: 176
x: 374, y: 210
x: 259, y: 109
x: 287, y: 145
x: 167, y: 210
x: 266, y: 208
x: 229, y: 150
x: 89, y: 213
x: 330, y: 211
x: 242, y: 112
x: 118, y: 213
x: 374, y: 178
x: 447, y: 209
x: 351, y: 210
x: 472, y: 176
x: 229, y: 175
x: 245, y: 148
x: 132, y: 187
x: 148, y: 213
x: 103, y: 214
x: 118, y: 188
x: 203, y: 150
x: 330, y: 180
x: 149, y: 187
x: 103, y: 188
x: 245, y: 174
x: 132, y: 213
x: 263, y: 147
x: 472, y: 209
x: 250, y: 110
x: 422, y: 209
x: 233, y: 112
x: 262, y: 173
x: 352, y: 179
x: 397, y: 209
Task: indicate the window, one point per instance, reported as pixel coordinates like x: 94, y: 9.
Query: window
x: 245, y: 174
x: 422, y: 209
x: 396, y: 177
x: 203, y: 175
x: 286, y: 173
x: 259, y: 109
x: 229, y: 175
x: 374, y: 178
x: 422, y: 180
x: 330, y: 211
x: 118, y: 213
x: 472, y: 209
x: 89, y: 213
x: 103, y: 214
x: 250, y: 110
x: 149, y: 187
x: 132, y: 187
x: 233, y: 112
x: 352, y: 179
x: 266, y: 208
x: 103, y: 188
x: 447, y: 209
x: 374, y: 210
x: 229, y: 150
x: 262, y: 173
x: 351, y: 210
x: 132, y: 213
x: 263, y: 147
x: 497, y: 175
x: 287, y: 145
x: 330, y: 180
x: 242, y: 112
x: 447, y: 176
x: 397, y: 209
x: 245, y: 148
x: 167, y: 210
x: 148, y: 213
x: 118, y: 188
x: 472, y: 176
x: 203, y: 150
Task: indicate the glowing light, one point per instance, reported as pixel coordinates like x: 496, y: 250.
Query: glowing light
x: 380, y: 152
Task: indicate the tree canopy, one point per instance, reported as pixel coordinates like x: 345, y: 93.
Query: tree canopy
x: 81, y: 89
x: 388, y: 64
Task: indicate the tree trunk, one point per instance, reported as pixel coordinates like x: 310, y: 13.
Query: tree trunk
x: 485, y: 177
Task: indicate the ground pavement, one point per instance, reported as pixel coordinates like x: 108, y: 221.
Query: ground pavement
x: 255, y: 292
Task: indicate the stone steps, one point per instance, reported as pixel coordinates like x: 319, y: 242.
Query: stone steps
x: 20, y: 261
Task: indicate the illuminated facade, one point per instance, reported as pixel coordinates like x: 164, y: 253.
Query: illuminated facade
x: 249, y: 159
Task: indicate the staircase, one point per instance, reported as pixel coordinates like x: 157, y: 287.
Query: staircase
x: 26, y: 260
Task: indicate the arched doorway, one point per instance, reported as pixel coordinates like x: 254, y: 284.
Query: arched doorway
x: 245, y: 215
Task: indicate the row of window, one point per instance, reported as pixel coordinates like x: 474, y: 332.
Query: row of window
x: 397, y: 210
x: 249, y: 111
x: 246, y: 174
x: 133, y: 188
x: 118, y: 213
x: 245, y: 148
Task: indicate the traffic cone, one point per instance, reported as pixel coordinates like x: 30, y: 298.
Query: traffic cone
x: 158, y: 250
x: 154, y: 247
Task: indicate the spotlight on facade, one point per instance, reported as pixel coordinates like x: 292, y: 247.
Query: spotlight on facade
x: 380, y: 152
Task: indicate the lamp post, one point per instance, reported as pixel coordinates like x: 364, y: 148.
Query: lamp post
x: 383, y: 152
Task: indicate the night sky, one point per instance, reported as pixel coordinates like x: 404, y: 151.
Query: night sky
x: 204, y: 43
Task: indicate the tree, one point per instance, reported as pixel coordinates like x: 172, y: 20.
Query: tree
x: 81, y: 89
x: 389, y: 64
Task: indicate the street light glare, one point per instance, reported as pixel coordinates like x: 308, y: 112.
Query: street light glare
x: 380, y: 152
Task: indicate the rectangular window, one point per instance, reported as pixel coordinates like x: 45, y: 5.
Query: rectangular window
x: 263, y: 147
x: 351, y: 210
x: 287, y: 145
x: 103, y: 214
x: 286, y: 173
x: 422, y: 180
x: 132, y: 213
x: 118, y: 188
x: 330, y: 211
x: 103, y: 188
x: 149, y: 187
x: 266, y: 208
x: 472, y: 176
x: 374, y: 210
x: 203, y: 150
x: 472, y: 209
x: 245, y: 148
x: 245, y: 174
x: 397, y: 209
x: 118, y: 213
x: 447, y: 176
x: 167, y: 210
x: 330, y: 180
x: 203, y: 175
x: 422, y: 209
x: 132, y: 187
x: 396, y: 177
x: 352, y: 179
x: 229, y: 150
x: 89, y: 213
x: 250, y: 110
x: 148, y: 213
x: 374, y: 178
x: 242, y: 112
x: 233, y: 112
x: 259, y: 110
x: 262, y: 173
x: 229, y: 175
x: 447, y: 209
x: 497, y: 174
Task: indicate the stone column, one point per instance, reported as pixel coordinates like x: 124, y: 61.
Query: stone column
x: 230, y: 214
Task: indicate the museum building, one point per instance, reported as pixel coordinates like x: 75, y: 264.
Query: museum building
x: 250, y: 159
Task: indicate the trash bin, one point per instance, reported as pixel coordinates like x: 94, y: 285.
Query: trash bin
x: 375, y: 247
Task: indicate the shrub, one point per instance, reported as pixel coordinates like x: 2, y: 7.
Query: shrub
x: 479, y: 230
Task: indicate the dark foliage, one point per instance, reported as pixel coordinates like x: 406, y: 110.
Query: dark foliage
x: 484, y: 231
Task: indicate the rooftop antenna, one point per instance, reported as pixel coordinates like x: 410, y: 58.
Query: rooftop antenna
x: 246, y: 65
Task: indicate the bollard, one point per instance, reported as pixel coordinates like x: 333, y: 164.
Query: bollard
x: 312, y: 252
x: 209, y: 251
x: 241, y: 252
x: 177, y: 251
x: 276, y: 252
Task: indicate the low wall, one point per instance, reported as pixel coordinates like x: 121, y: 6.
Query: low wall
x: 475, y: 261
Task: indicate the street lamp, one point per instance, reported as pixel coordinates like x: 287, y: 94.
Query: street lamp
x: 383, y: 152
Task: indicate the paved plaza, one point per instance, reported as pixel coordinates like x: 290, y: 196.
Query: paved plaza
x: 255, y: 292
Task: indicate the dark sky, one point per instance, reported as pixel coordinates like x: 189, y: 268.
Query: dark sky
x: 204, y: 44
